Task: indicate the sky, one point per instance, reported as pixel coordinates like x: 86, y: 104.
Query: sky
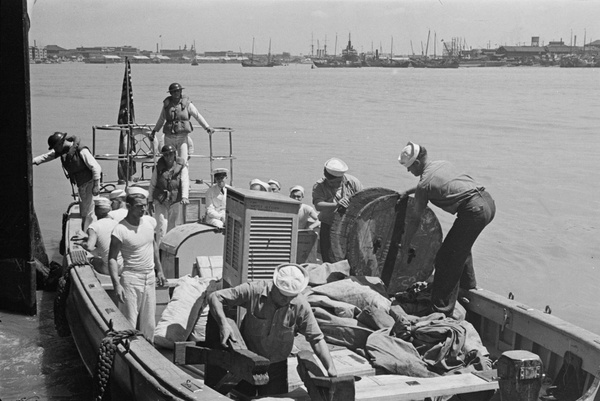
x: 303, y: 26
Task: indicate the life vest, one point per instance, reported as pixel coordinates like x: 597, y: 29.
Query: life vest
x: 177, y: 116
x: 168, y: 181
x: 79, y: 173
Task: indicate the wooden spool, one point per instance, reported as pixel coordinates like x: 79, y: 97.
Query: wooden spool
x: 368, y: 240
x: 343, y: 223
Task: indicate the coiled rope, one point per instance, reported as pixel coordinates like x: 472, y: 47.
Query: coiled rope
x: 106, y: 356
x: 78, y: 257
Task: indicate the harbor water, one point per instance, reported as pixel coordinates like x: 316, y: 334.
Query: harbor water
x: 530, y: 135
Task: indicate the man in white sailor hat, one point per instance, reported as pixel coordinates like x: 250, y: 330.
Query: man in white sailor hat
x: 332, y: 194
x: 117, y: 204
x: 307, y: 215
x: 98, y: 240
x: 216, y: 197
x: 457, y: 193
x: 133, y: 237
x: 275, y: 311
x: 259, y: 185
x: 274, y: 185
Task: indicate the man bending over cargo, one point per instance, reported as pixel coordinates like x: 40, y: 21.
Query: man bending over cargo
x: 275, y: 311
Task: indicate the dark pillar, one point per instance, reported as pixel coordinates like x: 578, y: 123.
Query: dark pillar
x: 17, y: 266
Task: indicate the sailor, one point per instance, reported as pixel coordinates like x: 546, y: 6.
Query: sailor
x: 307, y: 215
x: 259, y: 185
x: 456, y: 193
x: 81, y: 167
x: 274, y: 185
x: 98, y: 240
x: 169, y: 189
x: 175, y: 120
x: 216, y: 197
x: 275, y: 310
x: 133, y: 237
x: 117, y: 204
x: 332, y: 194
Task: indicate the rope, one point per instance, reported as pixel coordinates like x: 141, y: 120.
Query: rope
x: 106, y: 356
x: 60, y: 305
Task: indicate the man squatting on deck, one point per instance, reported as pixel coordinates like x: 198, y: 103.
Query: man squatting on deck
x: 176, y: 116
x: 456, y: 193
x: 135, y: 288
x: 169, y: 189
x: 275, y: 311
x: 82, y: 169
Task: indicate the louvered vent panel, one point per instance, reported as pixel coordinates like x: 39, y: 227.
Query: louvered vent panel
x: 233, y: 243
x: 270, y: 244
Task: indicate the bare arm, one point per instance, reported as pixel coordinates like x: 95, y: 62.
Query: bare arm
x: 322, y: 351
x: 160, y: 276
x: 216, y: 308
x: 90, y: 244
x: 113, y: 267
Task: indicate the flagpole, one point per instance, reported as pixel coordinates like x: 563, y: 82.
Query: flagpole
x: 128, y: 125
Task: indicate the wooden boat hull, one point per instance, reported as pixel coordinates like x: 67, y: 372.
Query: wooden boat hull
x: 143, y: 373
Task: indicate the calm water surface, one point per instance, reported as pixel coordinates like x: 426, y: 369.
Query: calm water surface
x: 530, y: 135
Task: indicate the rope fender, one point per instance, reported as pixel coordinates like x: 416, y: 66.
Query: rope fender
x: 60, y: 305
x: 106, y: 356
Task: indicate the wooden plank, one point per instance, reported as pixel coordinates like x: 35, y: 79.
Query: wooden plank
x: 346, y: 363
x: 402, y: 388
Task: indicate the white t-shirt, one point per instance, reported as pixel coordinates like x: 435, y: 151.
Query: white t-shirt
x: 103, y: 229
x: 304, y: 213
x: 137, y: 244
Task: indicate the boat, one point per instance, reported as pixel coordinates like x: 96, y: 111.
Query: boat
x: 532, y: 350
x: 259, y: 63
x: 348, y: 59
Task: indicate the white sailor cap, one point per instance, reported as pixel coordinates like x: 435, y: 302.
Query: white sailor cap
x: 117, y: 193
x: 336, y: 167
x: 137, y: 190
x: 297, y: 188
x: 409, y: 154
x: 262, y: 184
x: 291, y: 279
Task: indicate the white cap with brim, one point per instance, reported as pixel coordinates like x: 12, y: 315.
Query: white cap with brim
x: 117, y: 193
x: 137, y: 190
x: 291, y: 279
x: 409, y: 154
x: 336, y: 167
x: 220, y: 170
x: 297, y: 188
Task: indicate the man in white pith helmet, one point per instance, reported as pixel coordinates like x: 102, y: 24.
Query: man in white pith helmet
x: 216, y: 197
x: 275, y: 311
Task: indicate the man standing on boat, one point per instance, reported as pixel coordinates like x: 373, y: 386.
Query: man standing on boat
x: 169, y: 189
x: 456, y: 193
x: 308, y: 218
x: 216, y: 197
x: 81, y: 168
x: 175, y: 120
x: 133, y: 237
x: 332, y: 194
x: 275, y: 311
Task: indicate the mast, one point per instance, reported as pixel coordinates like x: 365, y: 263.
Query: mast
x: 269, y: 54
x: 392, y: 49
x: 252, y: 54
x: 335, y: 48
x: 434, y: 44
x: 427, y: 47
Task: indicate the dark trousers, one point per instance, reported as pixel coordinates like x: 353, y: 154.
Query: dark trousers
x: 278, y: 371
x: 454, y: 262
x: 325, y: 243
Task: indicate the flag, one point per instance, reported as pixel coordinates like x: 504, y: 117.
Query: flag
x: 126, y: 116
